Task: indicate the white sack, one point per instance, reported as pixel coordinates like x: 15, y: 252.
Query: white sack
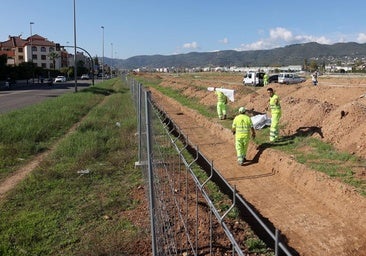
x: 260, y: 121
x: 228, y: 92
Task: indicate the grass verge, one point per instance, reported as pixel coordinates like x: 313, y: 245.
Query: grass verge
x: 72, y: 203
x: 29, y: 131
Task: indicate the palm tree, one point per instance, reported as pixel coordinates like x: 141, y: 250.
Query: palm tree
x: 53, y: 56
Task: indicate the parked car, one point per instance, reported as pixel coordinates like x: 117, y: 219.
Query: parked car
x: 8, y: 83
x: 290, y: 78
x: 48, y: 81
x: 253, y: 78
x: 85, y: 77
x: 60, y: 79
x: 273, y: 79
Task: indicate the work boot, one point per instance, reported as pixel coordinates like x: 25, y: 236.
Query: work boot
x: 224, y: 117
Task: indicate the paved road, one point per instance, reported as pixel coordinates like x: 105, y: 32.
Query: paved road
x: 23, y: 95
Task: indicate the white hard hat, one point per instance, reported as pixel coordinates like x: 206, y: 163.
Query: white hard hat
x: 242, y: 110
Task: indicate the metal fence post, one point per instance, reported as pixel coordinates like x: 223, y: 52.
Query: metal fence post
x: 139, y: 91
x: 150, y: 169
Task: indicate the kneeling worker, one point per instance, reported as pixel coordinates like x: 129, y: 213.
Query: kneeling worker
x: 242, y: 127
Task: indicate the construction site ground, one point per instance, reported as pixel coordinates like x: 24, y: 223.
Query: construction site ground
x: 317, y: 214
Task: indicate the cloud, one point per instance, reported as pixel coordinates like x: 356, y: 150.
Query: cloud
x: 280, y: 34
x: 192, y: 45
x: 361, y: 38
x: 224, y: 41
x: 280, y: 37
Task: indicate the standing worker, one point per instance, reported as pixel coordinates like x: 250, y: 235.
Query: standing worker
x: 265, y: 79
x: 314, y: 78
x: 221, y: 104
x: 241, y: 128
x: 275, y: 107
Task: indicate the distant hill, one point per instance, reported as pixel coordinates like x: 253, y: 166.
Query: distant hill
x: 283, y: 56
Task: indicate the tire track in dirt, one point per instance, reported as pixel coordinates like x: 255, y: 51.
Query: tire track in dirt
x: 318, y: 215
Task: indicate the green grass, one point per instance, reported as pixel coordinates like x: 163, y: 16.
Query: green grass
x: 29, y: 131
x: 58, y: 211
x: 319, y: 155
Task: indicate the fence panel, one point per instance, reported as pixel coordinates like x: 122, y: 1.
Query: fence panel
x: 184, y: 219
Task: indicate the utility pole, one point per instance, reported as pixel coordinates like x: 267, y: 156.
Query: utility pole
x: 31, y: 51
x: 102, y: 53
x: 75, y: 69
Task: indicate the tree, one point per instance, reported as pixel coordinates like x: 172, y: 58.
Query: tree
x: 81, y: 69
x: 306, y: 65
x: 3, y: 67
x: 96, y: 61
x: 313, y: 66
x: 54, y: 56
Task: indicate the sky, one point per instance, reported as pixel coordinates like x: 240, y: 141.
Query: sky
x: 167, y: 27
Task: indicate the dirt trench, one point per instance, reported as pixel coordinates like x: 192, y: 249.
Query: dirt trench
x: 318, y: 215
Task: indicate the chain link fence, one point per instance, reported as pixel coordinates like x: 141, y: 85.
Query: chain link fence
x: 184, y: 217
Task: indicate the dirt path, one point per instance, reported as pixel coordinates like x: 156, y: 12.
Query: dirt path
x: 318, y: 215
x: 19, y: 175
x: 14, y: 179
x: 11, y: 181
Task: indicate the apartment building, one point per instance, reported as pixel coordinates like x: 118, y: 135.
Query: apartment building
x: 36, y: 49
x: 14, y: 49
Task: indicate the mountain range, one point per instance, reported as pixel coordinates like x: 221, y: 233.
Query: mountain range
x: 294, y: 54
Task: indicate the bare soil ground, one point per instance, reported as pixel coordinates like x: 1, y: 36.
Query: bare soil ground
x: 317, y: 214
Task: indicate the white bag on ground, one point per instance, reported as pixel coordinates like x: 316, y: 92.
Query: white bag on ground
x: 260, y: 121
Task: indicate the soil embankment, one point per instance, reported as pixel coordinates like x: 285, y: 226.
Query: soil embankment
x: 317, y: 214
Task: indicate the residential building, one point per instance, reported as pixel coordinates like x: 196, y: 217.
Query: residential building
x: 36, y: 49
x: 39, y: 51
x: 14, y: 49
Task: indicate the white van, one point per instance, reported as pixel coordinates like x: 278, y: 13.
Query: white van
x: 253, y: 78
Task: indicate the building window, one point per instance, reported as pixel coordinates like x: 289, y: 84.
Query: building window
x: 44, y: 65
x: 34, y: 48
x: 43, y: 49
x: 51, y: 49
x: 34, y: 56
x: 20, y: 57
x: 20, y: 49
x: 43, y: 57
x: 51, y: 65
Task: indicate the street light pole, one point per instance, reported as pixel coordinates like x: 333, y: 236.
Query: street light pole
x: 111, y: 65
x: 75, y: 70
x: 102, y: 53
x: 112, y: 50
x: 31, y: 51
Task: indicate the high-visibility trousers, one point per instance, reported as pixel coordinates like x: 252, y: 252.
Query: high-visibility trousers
x: 241, y: 147
x: 221, y: 109
x: 274, y: 128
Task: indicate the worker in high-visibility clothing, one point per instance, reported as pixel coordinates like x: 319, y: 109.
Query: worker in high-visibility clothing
x: 221, y: 104
x: 242, y: 128
x: 265, y: 79
x: 275, y: 107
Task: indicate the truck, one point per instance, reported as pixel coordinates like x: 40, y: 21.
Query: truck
x: 253, y: 78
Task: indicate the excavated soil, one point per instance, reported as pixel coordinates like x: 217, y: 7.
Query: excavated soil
x: 317, y: 214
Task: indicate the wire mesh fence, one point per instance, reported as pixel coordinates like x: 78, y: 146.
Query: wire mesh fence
x: 184, y: 215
